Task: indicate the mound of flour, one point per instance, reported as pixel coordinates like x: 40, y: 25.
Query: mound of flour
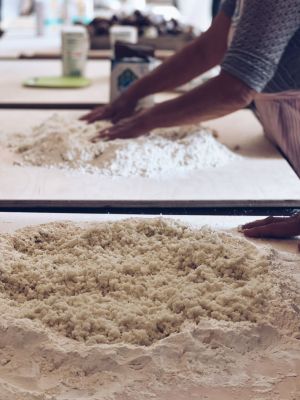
x: 220, y: 317
x: 66, y: 143
x: 133, y: 281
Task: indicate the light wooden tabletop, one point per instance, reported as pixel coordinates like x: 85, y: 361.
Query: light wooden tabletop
x: 261, y: 174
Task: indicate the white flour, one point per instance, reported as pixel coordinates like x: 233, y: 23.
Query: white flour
x: 66, y: 143
x: 216, y: 314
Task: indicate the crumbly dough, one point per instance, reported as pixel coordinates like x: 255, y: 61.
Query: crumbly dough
x: 134, y: 281
x: 66, y: 143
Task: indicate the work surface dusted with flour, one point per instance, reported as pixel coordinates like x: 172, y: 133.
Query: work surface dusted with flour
x: 66, y: 143
x: 146, y: 309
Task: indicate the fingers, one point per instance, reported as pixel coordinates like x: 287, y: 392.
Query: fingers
x: 263, y: 222
x: 118, y: 117
x: 87, y: 116
x: 126, y: 129
x: 285, y: 228
x: 127, y: 112
x: 113, y: 133
x: 97, y: 114
x: 102, y: 135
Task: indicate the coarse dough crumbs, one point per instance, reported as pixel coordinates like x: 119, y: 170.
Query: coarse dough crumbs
x: 66, y: 143
x: 134, y: 281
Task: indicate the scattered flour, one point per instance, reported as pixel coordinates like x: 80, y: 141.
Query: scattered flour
x: 219, y: 317
x: 66, y: 143
x: 136, y: 281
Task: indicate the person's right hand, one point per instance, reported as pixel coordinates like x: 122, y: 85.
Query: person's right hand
x: 121, y: 108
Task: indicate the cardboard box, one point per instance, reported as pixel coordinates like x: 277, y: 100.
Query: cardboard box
x: 125, y: 72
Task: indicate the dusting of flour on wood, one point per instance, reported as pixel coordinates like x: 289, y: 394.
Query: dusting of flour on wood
x: 66, y: 143
x: 128, y: 309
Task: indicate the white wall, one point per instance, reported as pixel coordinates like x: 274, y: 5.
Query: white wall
x: 10, y: 9
x: 197, y: 12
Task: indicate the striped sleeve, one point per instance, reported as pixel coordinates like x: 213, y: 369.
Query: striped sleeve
x: 262, y: 35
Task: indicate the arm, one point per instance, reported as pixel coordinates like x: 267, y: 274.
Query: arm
x: 249, y: 64
x: 262, y: 35
x: 196, y: 58
x: 193, y: 60
x: 219, y: 96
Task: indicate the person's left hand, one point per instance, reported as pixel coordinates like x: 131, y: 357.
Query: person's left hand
x: 274, y: 228
x: 132, y: 127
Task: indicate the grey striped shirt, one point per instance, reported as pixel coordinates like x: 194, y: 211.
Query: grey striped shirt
x: 265, y: 51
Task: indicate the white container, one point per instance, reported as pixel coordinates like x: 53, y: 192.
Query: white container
x: 127, y: 34
x: 75, y: 47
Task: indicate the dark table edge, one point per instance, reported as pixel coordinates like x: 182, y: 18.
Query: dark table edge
x: 48, y: 106
x: 154, y: 207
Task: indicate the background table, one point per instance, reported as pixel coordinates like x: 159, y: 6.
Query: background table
x: 26, y: 45
x: 14, y: 72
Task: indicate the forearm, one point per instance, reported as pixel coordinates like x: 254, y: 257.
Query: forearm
x: 196, y: 58
x: 179, y: 69
x: 218, y: 97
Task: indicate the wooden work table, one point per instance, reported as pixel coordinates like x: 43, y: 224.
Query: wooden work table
x: 262, y: 174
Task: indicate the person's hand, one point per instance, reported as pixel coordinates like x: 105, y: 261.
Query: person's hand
x: 273, y: 227
x: 122, y: 107
x: 133, y: 127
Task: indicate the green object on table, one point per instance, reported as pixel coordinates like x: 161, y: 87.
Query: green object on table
x: 57, y: 82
